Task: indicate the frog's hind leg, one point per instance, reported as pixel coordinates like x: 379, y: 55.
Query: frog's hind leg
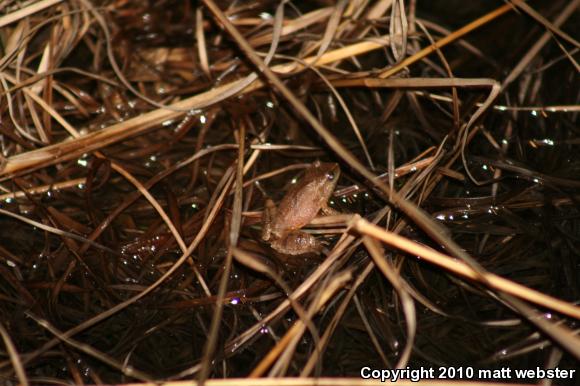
x: 268, y: 216
x: 297, y: 243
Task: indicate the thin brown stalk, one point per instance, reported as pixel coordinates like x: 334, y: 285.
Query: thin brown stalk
x: 462, y: 269
x: 27, y: 11
x: 14, y: 356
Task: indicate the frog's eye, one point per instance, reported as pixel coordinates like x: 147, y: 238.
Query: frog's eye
x: 329, y: 176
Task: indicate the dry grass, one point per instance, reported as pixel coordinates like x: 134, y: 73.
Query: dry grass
x: 140, y: 139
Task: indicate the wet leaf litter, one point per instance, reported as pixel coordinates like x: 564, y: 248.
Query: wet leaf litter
x: 142, y: 145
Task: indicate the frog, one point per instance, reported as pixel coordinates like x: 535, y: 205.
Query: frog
x: 281, y: 226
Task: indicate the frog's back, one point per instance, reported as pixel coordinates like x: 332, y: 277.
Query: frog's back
x: 298, y: 208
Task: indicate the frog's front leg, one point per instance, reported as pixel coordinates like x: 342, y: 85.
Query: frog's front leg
x: 297, y: 243
x: 268, y: 216
x: 328, y: 211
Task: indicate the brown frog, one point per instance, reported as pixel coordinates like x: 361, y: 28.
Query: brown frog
x: 281, y: 226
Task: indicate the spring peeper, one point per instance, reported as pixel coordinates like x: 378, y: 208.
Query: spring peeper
x: 281, y: 226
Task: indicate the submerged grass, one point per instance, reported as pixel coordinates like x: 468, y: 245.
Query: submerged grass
x: 140, y: 140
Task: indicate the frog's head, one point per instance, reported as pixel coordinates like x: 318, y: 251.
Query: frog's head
x: 326, y: 176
